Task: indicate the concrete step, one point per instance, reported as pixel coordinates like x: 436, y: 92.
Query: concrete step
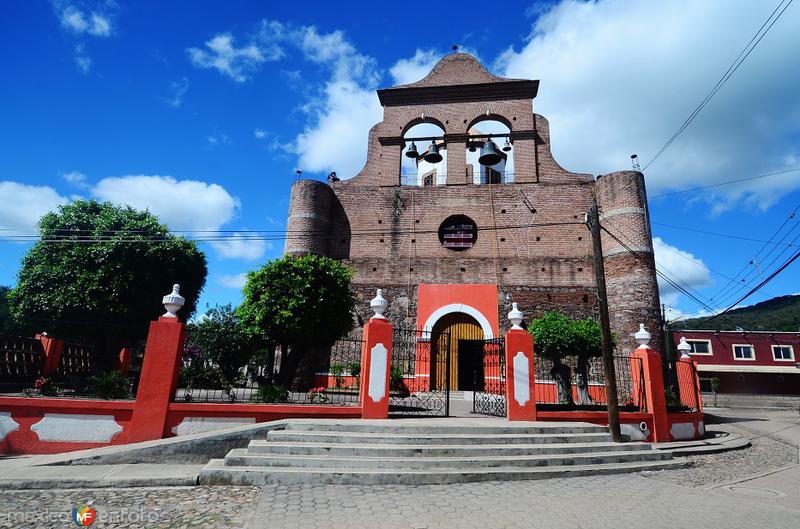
x: 412, y: 427
x: 241, y: 458
x: 290, y: 436
x: 261, y: 447
x: 217, y: 473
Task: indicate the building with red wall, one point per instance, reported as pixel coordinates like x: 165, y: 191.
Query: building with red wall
x: 746, y: 362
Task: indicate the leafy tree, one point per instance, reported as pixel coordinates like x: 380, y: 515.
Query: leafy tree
x: 300, y: 303
x: 587, y: 343
x: 553, y: 339
x: 99, y: 271
x: 221, y: 343
x: 5, y: 324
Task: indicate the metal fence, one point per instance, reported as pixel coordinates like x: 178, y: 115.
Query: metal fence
x: 572, y: 384
x: 489, y: 397
x: 420, y: 373
x: 224, y: 367
x: 21, y: 362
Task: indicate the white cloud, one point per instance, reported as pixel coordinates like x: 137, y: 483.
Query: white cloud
x: 24, y: 205
x: 75, y: 178
x: 236, y: 63
x: 181, y: 204
x: 238, y: 246
x: 78, y: 21
x: 178, y: 90
x: 260, y: 134
x: 232, y: 281
x: 406, y: 71
x: 218, y: 139
x: 82, y: 59
x: 680, y: 266
x: 618, y: 77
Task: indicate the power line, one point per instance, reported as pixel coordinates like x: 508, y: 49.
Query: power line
x: 717, y: 234
x: 737, y: 62
x: 728, y: 182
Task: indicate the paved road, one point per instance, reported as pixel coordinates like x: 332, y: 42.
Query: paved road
x: 754, y: 488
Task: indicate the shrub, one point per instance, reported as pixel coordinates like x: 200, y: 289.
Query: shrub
x: 317, y: 395
x: 109, y: 385
x: 337, y: 371
x: 269, y: 393
x: 45, y: 386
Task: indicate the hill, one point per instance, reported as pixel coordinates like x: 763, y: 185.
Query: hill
x: 777, y: 314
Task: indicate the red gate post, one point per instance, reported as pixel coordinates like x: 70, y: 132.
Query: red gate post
x: 376, y: 361
x: 520, y: 379
x: 653, y: 385
x: 160, y: 370
x: 686, y: 368
x: 52, y: 348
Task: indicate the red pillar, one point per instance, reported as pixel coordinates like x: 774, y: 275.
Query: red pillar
x: 520, y: 380
x: 689, y: 383
x: 52, y: 348
x: 376, y: 362
x: 159, y: 378
x: 654, y: 392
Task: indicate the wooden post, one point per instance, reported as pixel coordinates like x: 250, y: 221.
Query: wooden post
x: 593, y: 222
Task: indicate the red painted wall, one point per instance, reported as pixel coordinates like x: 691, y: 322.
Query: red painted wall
x: 482, y: 298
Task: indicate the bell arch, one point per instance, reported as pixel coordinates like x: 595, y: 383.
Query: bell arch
x: 489, y: 153
x: 423, y: 162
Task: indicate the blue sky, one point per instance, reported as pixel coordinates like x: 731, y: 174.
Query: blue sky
x: 202, y: 110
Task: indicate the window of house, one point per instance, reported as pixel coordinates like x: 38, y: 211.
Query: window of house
x: 700, y: 347
x: 783, y: 353
x: 428, y: 180
x: 743, y: 352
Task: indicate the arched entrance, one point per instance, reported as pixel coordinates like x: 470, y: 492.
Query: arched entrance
x: 465, y: 346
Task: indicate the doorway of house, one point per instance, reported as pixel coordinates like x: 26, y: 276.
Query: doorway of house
x: 465, y: 348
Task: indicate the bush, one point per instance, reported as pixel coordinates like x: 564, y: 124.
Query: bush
x: 269, y: 393
x: 45, y: 386
x: 337, y: 371
x: 110, y: 385
x: 354, y: 368
x: 200, y: 376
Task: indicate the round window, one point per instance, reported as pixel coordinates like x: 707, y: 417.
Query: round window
x: 458, y: 233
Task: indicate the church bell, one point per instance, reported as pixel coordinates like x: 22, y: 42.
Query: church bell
x: 489, y: 154
x: 433, y: 156
x: 412, y: 151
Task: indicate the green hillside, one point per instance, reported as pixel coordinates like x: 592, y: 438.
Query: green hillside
x: 776, y: 314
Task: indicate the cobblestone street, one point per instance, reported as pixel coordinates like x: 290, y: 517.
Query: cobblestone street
x: 702, y: 495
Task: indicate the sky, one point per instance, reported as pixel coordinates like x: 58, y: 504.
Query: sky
x: 202, y: 111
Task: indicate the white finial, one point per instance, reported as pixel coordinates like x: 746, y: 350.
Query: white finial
x: 684, y: 348
x: 379, y: 304
x: 642, y: 337
x: 173, y: 302
x: 515, y: 316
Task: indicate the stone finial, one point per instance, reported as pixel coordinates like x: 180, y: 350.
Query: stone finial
x: 173, y: 302
x: 378, y: 305
x: 684, y: 348
x: 642, y: 337
x: 515, y: 316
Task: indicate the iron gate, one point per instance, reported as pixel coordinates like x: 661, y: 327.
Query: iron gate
x: 420, y: 373
x: 489, y: 396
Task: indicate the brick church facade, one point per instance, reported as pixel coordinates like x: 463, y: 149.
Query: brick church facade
x: 459, y: 241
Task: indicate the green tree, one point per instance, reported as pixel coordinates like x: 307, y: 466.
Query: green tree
x: 219, y: 338
x: 300, y: 303
x: 557, y: 337
x: 553, y: 339
x: 5, y: 323
x: 106, y: 267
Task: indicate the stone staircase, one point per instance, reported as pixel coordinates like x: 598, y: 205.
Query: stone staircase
x: 429, y: 451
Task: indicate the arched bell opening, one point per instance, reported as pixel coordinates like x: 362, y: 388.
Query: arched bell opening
x: 490, y: 152
x: 423, y: 160
x: 465, y: 347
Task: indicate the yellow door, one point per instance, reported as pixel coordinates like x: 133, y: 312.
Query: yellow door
x: 459, y: 326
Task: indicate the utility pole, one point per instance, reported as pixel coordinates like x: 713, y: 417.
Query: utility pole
x: 593, y: 223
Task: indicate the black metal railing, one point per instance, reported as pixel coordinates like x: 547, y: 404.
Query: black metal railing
x: 434, y: 179
x: 420, y: 373
x: 222, y: 367
x: 574, y: 384
x: 489, y: 397
x: 21, y: 362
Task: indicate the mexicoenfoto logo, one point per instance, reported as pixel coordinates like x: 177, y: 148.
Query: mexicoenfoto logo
x: 83, y: 516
